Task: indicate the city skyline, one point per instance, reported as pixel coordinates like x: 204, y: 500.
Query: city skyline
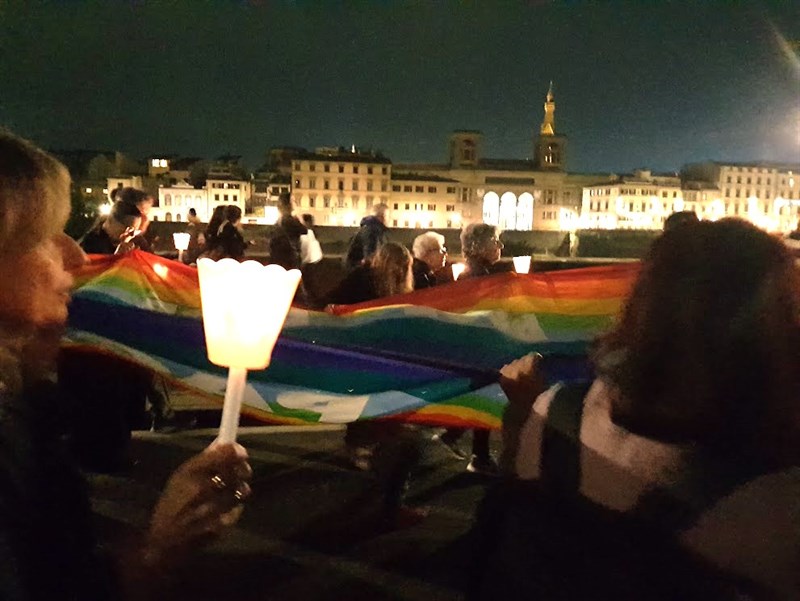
x: 655, y: 86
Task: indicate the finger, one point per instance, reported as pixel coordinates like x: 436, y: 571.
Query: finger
x: 229, y: 518
x: 243, y: 471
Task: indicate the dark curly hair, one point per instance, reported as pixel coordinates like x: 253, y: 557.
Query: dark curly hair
x: 707, y: 349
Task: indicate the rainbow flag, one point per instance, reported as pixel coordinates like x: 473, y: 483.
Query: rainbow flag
x: 428, y: 357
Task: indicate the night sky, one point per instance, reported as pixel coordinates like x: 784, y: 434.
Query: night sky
x: 637, y: 84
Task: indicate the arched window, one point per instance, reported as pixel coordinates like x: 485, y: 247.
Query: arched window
x: 168, y: 217
x: 525, y: 212
x: 178, y: 217
x: 491, y: 208
x: 508, y: 211
x: 167, y: 200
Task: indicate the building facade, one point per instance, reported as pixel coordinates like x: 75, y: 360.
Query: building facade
x: 768, y: 194
x: 638, y: 201
x: 339, y: 187
x: 514, y: 194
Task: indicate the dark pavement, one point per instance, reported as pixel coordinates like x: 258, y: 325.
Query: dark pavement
x: 310, y: 529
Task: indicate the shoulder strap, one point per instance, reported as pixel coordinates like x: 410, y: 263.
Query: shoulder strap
x: 560, y: 464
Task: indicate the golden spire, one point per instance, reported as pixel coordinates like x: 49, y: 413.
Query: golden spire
x: 548, y: 123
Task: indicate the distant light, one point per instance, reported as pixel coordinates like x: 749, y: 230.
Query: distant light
x: 104, y: 209
x: 88, y: 190
x: 458, y: 269
x: 105, y: 190
x: 271, y: 215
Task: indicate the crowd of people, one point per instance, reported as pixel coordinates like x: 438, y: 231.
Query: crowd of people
x: 692, y: 422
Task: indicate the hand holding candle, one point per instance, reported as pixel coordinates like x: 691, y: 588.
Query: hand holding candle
x: 244, y: 307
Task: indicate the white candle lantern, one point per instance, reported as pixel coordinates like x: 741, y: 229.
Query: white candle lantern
x: 244, y: 306
x: 458, y: 269
x: 522, y: 264
x: 181, y: 241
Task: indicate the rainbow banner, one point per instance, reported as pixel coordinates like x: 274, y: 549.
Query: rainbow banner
x: 428, y: 357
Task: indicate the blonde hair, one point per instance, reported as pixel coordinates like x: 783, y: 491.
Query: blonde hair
x: 391, y: 270
x: 34, y: 195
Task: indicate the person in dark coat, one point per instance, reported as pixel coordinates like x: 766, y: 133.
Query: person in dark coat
x: 430, y: 256
x: 116, y: 233
x: 227, y: 241
x: 369, y: 238
x: 284, y: 245
x: 389, y: 449
x: 481, y: 247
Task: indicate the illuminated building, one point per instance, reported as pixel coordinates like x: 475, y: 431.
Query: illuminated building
x: 424, y: 202
x: 638, y: 201
x: 339, y: 186
x: 515, y: 194
x: 768, y: 194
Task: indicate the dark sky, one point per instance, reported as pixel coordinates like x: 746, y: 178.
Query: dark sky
x: 637, y: 84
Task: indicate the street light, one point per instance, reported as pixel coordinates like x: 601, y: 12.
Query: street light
x: 244, y: 306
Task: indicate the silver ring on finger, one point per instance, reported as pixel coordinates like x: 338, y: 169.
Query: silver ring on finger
x: 218, y: 483
x: 238, y: 495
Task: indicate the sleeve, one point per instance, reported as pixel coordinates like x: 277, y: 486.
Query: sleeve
x: 528, y: 446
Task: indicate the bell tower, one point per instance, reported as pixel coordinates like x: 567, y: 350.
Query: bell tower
x: 465, y: 149
x: 549, y: 148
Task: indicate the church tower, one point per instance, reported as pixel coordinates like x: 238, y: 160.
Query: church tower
x: 549, y: 148
x: 465, y: 149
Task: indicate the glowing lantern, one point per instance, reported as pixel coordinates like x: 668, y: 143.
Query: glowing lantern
x: 522, y: 264
x: 458, y: 269
x: 181, y: 241
x: 244, y: 307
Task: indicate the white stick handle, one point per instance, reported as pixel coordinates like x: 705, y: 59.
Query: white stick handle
x: 180, y: 256
x: 234, y: 391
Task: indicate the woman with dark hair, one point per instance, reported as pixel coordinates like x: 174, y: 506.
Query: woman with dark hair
x: 142, y: 202
x: 390, y: 449
x: 388, y: 273
x: 696, y: 405
x: 223, y: 238
x: 116, y: 233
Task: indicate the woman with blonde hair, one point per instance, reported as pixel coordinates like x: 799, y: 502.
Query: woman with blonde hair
x: 47, y: 548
